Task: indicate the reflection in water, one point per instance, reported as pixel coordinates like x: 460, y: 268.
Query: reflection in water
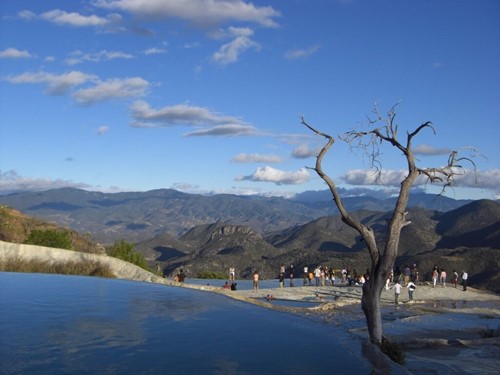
x: 66, y: 324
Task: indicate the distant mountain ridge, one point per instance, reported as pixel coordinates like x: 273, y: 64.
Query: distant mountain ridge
x: 467, y: 237
x: 428, y: 241
x: 138, y: 216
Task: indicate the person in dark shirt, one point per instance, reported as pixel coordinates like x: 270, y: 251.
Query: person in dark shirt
x: 181, y: 277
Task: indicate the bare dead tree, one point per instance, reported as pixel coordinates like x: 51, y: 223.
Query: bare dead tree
x: 383, y: 131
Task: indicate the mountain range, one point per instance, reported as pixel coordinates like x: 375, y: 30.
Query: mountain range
x: 138, y: 216
x: 202, y: 234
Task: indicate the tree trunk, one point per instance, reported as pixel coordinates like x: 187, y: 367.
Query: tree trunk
x: 370, y: 303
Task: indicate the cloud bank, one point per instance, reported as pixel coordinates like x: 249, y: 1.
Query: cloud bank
x: 59, y: 84
x: 279, y: 177
x: 256, y: 158
x: 13, y: 53
x: 211, y: 123
x: 196, y: 12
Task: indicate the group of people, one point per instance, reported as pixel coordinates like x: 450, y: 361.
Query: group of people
x: 231, y: 286
x: 232, y: 278
x: 409, y: 277
x: 439, y: 275
x: 324, y: 275
x: 255, y: 279
x: 180, y: 277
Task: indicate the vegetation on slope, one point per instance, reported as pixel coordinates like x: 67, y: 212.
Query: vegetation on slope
x: 125, y: 251
x: 18, y: 228
x: 83, y: 268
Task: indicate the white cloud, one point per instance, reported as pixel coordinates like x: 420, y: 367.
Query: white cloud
x: 112, y: 89
x: 155, y: 51
x: 247, y: 191
x: 184, y: 186
x: 56, y: 84
x: 192, y: 45
x: 102, y: 91
x: 230, y: 130
x: 13, y: 53
x: 370, y: 177
x: 303, y: 152
x: 229, y: 52
x: 10, y: 181
x: 26, y: 14
x: 102, y: 130
x: 279, y: 177
x: 256, y: 158
x: 181, y: 114
x: 301, y: 53
x: 196, y: 12
x: 63, y: 18
x: 240, y: 31
x: 430, y: 150
x: 489, y: 179
x: 77, y: 57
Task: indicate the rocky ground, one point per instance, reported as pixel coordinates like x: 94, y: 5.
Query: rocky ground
x: 443, y: 331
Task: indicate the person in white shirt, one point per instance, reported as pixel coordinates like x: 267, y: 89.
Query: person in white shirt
x: 411, y: 288
x: 464, y: 280
x: 397, y: 290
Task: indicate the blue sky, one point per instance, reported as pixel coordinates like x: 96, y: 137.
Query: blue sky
x: 206, y: 96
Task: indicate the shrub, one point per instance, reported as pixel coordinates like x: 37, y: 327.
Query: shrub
x: 489, y: 333
x: 212, y: 275
x: 84, y: 268
x: 125, y: 251
x: 393, y: 351
x: 50, y: 238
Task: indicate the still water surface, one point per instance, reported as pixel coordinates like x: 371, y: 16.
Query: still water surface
x: 69, y: 324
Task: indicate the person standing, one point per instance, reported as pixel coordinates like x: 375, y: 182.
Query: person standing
x: 443, y: 278
x: 435, y: 275
x: 332, y: 276
x: 465, y: 276
x: 411, y: 288
x: 406, y: 275
x: 397, y: 291
x: 255, y: 281
x: 317, y: 275
x: 232, y: 273
x: 181, y: 276
x: 306, y: 274
x: 282, y: 280
x: 291, y: 275
x: 454, y: 278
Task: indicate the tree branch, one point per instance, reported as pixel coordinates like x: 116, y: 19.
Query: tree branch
x: 366, y: 233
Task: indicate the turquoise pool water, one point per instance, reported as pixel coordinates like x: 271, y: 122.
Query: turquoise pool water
x: 69, y: 324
